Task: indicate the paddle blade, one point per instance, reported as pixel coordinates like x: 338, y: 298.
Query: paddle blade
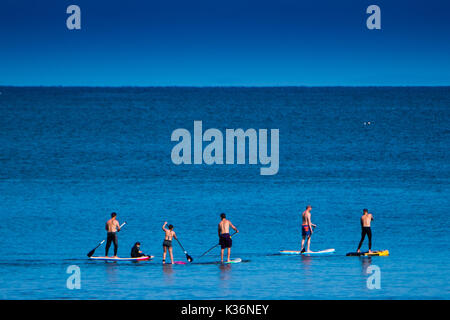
x: 189, y: 258
x: 91, y: 253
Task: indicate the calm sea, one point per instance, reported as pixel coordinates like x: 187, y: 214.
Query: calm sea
x: 71, y: 156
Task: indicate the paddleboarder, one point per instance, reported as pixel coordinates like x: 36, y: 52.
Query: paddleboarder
x: 224, y: 236
x: 136, y: 251
x: 366, y: 219
x: 112, y: 227
x: 167, y: 243
x: 307, y: 229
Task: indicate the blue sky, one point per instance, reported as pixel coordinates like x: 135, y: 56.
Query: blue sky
x: 222, y: 43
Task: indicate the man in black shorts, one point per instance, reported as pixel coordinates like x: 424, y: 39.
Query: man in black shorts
x: 225, y: 237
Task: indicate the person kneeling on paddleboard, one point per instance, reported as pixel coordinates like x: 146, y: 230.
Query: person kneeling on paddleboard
x: 307, y: 229
x: 224, y: 236
x: 136, y: 251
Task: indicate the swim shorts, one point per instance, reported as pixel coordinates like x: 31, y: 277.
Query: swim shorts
x: 306, y: 231
x: 225, y: 240
x: 167, y: 243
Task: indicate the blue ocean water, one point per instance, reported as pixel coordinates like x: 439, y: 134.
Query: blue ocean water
x: 71, y: 156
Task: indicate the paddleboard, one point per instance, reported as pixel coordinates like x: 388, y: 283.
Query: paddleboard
x: 121, y: 259
x: 379, y: 253
x: 237, y: 260
x: 327, y: 251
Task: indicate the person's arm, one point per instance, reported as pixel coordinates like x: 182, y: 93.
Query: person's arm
x: 233, y: 227
x: 371, y: 217
x: 118, y: 226
x: 175, y: 235
x: 106, y: 226
x: 309, y: 223
x: 362, y: 222
x: 218, y: 229
x: 164, y: 226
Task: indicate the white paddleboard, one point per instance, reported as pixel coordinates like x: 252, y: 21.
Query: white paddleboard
x: 327, y: 251
x: 237, y: 260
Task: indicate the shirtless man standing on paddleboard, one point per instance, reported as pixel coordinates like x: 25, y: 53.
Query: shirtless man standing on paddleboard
x: 307, y: 230
x: 365, y: 229
x: 224, y: 236
x: 112, y: 227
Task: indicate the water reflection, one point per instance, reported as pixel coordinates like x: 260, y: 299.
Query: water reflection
x: 365, y: 263
x: 168, y: 272
x: 307, y: 260
x: 111, y: 271
x: 225, y: 271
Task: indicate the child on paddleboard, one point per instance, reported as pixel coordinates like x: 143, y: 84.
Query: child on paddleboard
x: 136, y: 251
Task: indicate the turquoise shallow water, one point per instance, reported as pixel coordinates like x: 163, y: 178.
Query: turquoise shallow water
x: 70, y: 156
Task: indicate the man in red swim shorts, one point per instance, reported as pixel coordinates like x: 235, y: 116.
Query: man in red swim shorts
x: 307, y: 229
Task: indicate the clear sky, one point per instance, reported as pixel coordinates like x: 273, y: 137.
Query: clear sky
x: 224, y: 42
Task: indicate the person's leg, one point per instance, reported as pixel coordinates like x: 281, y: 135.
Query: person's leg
x: 229, y: 253
x: 108, y: 244
x: 369, y: 236
x: 116, y: 245
x: 221, y: 254
x: 171, y: 254
x: 309, y: 243
x: 164, y: 254
x: 303, y: 242
x: 363, y: 235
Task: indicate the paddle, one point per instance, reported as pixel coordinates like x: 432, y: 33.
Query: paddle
x: 188, y: 257
x: 304, y: 247
x: 91, y: 253
x: 215, y: 246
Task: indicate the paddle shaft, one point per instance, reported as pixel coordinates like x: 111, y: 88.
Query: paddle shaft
x: 215, y: 246
x: 181, y: 245
x: 188, y: 257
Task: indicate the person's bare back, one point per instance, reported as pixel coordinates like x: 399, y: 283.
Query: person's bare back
x: 112, y: 225
x: 306, y: 217
x: 224, y: 226
x: 366, y: 219
x: 169, y: 234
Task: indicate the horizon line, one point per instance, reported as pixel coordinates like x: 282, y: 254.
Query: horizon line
x: 227, y: 86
